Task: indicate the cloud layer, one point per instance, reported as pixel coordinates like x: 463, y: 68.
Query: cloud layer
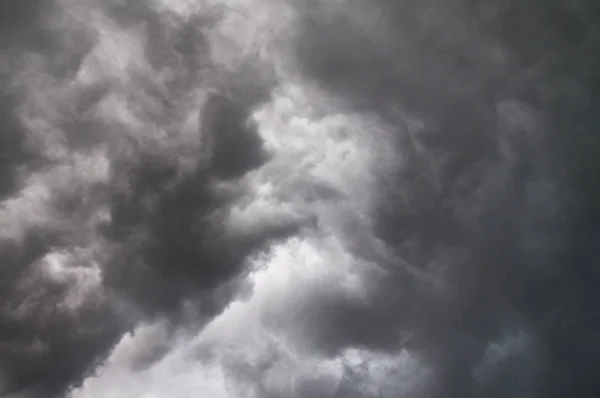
x: 318, y: 199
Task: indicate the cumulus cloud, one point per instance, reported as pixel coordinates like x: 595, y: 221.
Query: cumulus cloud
x: 297, y: 199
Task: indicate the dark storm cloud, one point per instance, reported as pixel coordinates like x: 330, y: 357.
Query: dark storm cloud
x: 495, y: 134
x: 490, y: 218
x: 235, y: 146
x: 178, y: 242
x: 13, y: 151
x: 47, y: 348
x: 164, y: 243
x: 17, y: 21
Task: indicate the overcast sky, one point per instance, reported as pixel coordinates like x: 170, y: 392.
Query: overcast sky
x: 299, y: 199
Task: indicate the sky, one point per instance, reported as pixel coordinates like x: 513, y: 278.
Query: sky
x: 299, y: 199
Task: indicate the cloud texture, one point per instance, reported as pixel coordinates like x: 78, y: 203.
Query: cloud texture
x: 276, y: 198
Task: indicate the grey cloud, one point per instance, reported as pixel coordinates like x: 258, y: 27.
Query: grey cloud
x: 160, y: 242
x: 484, y: 238
x: 235, y: 146
x: 487, y: 82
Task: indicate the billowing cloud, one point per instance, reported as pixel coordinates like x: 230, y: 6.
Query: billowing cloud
x: 318, y: 199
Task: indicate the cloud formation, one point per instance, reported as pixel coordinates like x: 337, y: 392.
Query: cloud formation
x: 298, y: 199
